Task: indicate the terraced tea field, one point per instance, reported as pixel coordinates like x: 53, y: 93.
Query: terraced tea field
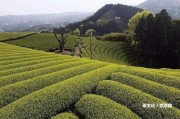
x: 39, y: 85
x: 113, y: 52
x: 43, y: 41
x: 11, y: 35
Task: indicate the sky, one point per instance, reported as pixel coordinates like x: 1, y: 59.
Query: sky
x: 24, y: 7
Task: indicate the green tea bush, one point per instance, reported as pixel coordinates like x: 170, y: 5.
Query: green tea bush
x: 98, y: 107
x: 10, y: 79
x: 17, y: 90
x: 46, y: 102
x: 32, y: 57
x: 172, y: 95
x: 134, y: 100
x: 115, y: 37
x: 28, y: 63
x: 42, y: 64
x: 13, y: 35
x: 13, y: 56
x: 33, y: 61
x: 157, y: 77
x: 65, y: 115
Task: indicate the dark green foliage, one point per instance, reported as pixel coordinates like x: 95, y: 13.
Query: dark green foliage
x: 134, y: 100
x: 98, y: 107
x: 115, y: 37
x: 156, y: 41
x: 176, y: 42
x: 139, y: 31
x: 164, y: 31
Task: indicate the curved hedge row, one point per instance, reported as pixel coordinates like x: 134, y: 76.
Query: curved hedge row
x: 134, y: 99
x: 104, y: 51
x: 164, y: 72
x: 46, y: 102
x: 28, y: 63
x: 41, y: 64
x: 32, y: 57
x: 65, y: 115
x: 12, y: 35
x: 98, y: 107
x: 17, y: 90
x: 31, y: 62
x: 177, y: 74
x: 157, y: 77
x: 15, y: 56
x: 172, y: 95
x: 10, y: 79
x: 97, y: 50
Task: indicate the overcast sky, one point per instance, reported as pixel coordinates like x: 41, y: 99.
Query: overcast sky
x: 21, y: 7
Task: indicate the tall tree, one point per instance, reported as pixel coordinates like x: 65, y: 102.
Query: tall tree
x: 139, y: 31
x: 134, y: 21
x: 164, y: 31
x: 156, y: 41
x: 149, y: 33
x: 62, y: 39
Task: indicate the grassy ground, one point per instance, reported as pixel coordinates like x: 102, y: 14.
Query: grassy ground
x: 43, y: 41
x: 38, y: 84
x: 11, y: 35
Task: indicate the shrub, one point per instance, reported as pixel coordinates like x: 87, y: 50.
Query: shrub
x: 134, y: 99
x: 65, y: 115
x: 15, y: 56
x: 32, y: 61
x: 15, y: 91
x: 98, y: 37
x: 29, y: 58
x: 55, y: 98
x: 41, y: 64
x: 98, y: 107
x: 115, y: 37
x: 172, y: 95
x: 153, y: 76
x: 10, y: 79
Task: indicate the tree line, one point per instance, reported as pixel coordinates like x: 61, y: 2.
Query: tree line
x: 157, y: 39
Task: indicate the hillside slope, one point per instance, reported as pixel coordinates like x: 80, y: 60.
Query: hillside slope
x: 113, y: 52
x: 36, y: 84
x: 110, y: 18
x: 172, y: 6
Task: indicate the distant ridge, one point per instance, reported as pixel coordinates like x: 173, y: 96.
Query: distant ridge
x: 172, y: 6
x: 110, y: 18
x: 24, y: 22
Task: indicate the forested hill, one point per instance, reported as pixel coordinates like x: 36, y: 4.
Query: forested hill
x: 172, y: 6
x: 110, y: 18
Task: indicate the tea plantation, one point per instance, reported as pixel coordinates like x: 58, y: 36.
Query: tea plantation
x: 35, y: 84
x: 113, y: 52
x: 11, y: 35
